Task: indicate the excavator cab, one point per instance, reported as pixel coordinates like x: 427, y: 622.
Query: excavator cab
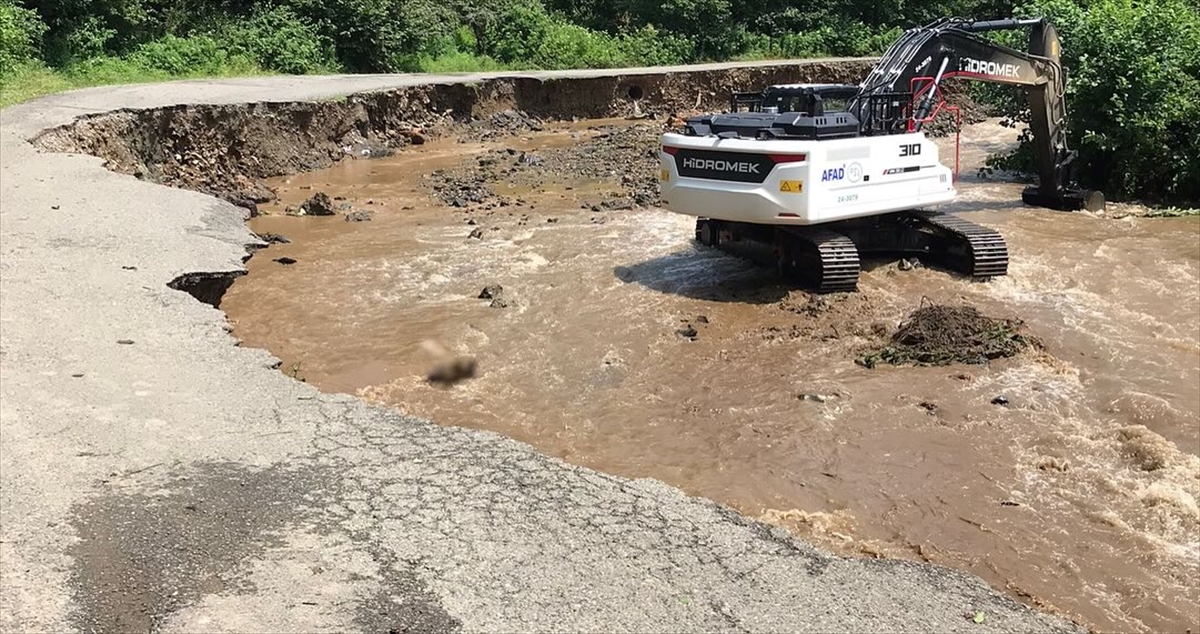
x: 813, y: 100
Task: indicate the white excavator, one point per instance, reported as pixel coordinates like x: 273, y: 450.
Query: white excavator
x: 813, y: 175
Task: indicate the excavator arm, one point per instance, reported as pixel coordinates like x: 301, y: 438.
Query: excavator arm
x: 924, y: 57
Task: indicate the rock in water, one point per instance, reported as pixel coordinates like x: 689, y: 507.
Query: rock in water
x: 491, y: 291
x: 319, y: 205
x: 450, y: 372
x: 358, y: 216
x: 273, y: 238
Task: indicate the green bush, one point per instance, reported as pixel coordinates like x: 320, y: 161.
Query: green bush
x: 649, y: 46
x: 278, y: 39
x: 21, y: 34
x: 526, y: 35
x: 380, y: 35
x: 179, y: 56
x: 1133, y: 95
x: 849, y: 40
x: 459, y: 62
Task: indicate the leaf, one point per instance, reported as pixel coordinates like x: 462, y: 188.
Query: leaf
x: 979, y: 617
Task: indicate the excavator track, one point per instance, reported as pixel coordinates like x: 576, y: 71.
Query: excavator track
x: 820, y: 259
x: 825, y: 260
x: 973, y: 250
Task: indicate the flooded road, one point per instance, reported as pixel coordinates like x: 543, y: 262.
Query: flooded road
x: 1079, y: 496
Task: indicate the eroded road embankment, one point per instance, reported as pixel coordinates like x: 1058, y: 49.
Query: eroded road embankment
x: 1055, y: 474
x: 156, y: 476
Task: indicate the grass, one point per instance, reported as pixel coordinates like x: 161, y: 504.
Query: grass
x: 29, y: 82
x: 33, y: 80
x: 458, y: 62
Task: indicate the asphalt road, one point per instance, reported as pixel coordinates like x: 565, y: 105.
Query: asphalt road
x: 178, y: 483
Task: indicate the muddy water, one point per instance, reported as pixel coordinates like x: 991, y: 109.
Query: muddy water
x: 1080, y: 496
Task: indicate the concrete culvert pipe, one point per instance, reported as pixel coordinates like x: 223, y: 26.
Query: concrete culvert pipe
x: 635, y: 92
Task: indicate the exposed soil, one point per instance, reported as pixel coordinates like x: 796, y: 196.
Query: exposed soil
x: 226, y: 150
x: 941, y: 335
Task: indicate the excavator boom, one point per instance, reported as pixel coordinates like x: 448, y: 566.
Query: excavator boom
x: 951, y: 48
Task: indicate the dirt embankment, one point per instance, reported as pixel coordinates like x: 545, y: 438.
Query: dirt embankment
x: 225, y: 149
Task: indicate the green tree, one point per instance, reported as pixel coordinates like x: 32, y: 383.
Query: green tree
x: 1133, y: 94
x: 21, y: 33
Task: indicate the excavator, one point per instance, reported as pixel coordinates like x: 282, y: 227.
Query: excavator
x: 814, y: 175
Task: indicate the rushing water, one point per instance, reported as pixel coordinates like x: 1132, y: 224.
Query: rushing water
x: 1080, y: 496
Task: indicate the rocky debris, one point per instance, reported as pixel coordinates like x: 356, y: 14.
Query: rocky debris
x: 452, y: 371
x: 941, y: 335
x: 907, y: 264
x: 358, y: 147
x: 358, y: 216
x: 285, y: 261
x: 476, y: 233
x: 816, y: 398
x: 688, y: 332
x: 627, y: 156
x: 319, y: 205
x: 1000, y: 400
x: 494, y: 292
x: 245, y: 203
x: 125, y: 342
x: 946, y: 122
x: 461, y: 190
x: 499, y: 125
x: 273, y: 238
x: 929, y: 406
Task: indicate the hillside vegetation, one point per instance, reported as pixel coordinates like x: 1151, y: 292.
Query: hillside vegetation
x: 1134, y: 65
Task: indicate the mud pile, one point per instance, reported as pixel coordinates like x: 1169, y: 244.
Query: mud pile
x: 941, y: 335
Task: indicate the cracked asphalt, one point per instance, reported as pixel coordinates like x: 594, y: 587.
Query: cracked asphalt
x: 178, y: 483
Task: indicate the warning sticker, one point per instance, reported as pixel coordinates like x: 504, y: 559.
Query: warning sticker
x: 791, y: 187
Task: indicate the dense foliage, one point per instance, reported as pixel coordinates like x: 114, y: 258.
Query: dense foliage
x: 1133, y: 92
x: 408, y: 35
x: 1133, y: 64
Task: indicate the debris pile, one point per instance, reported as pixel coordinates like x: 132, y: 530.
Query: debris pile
x: 941, y: 335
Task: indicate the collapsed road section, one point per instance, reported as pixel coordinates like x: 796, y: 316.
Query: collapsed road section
x: 158, y: 477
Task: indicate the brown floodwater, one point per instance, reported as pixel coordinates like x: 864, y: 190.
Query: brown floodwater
x: 1080, y: 496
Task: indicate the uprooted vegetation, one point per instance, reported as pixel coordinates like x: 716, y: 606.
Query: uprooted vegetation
x: 941, y: 335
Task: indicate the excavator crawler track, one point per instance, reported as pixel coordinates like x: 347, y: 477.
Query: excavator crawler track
x: 973, y: 249
x: 827, y: 261
x: 819, y: 259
